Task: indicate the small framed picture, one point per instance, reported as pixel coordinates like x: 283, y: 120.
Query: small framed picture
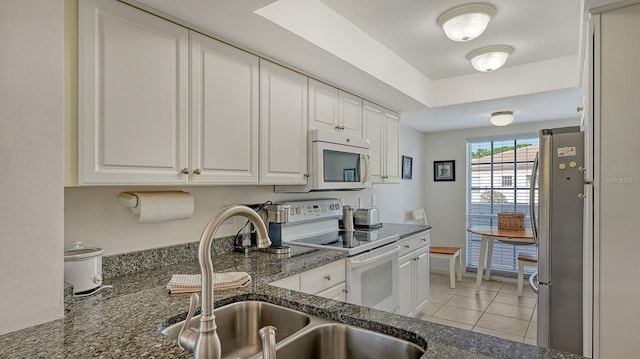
x: 407, y: 167
x: 444, y: 170
x: 349, y: 175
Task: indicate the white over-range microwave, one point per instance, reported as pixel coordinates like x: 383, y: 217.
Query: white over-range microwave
x: 336, y: 162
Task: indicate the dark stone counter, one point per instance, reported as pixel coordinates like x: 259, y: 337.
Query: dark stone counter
x: 125, y: 322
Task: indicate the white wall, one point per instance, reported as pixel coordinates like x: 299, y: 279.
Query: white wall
x: 93, y: 216
x: 31, y: 141
x: 446, y: 201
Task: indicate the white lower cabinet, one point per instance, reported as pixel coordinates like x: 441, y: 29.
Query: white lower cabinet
x: 337, y: 292
x: 413, y: 274
x: 326, y: 281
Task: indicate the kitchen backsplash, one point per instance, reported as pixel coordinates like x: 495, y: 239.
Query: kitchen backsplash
x: 140, y: 261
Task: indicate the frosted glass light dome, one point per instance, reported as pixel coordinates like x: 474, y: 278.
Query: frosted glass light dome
x: 489, y: 58
x: 501, y: 118
x: 466, y: 22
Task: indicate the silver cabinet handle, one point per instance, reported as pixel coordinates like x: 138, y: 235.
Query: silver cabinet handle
x: 196, y: 171
x: 184, y: 171
x: 407, y: 246
x: 327, y: 277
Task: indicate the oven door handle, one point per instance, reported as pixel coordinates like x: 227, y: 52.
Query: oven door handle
x: 364, y: 259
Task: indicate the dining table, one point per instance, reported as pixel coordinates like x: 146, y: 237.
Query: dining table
x: 488, y: 235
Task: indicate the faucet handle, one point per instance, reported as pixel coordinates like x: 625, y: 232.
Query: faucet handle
x: 185, y: 336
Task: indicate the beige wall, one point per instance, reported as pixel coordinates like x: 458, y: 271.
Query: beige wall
x: 31, y: 142
x: 446, y: 201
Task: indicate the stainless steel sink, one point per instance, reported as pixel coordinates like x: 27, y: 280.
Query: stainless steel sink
x: 341, y: 341
x: 299, y: 335
x: 239, y: 323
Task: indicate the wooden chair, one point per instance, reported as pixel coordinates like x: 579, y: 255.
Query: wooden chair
x: 450, y: 253
x: 524, y: 260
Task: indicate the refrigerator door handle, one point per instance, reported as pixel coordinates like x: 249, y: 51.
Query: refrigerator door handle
x: 533, y: 282
x: 532, y: 198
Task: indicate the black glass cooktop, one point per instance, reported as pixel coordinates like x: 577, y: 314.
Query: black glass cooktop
x: 352, y: 242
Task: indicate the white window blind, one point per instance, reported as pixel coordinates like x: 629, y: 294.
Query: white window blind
x: 498, y: 178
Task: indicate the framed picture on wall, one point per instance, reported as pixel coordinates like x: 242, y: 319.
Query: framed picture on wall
x: 444, y: 170
x: 407, y: 167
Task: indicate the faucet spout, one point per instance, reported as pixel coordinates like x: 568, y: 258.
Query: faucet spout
x: 207, y: 344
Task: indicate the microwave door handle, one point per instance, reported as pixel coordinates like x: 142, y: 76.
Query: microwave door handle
x: 364, y: 160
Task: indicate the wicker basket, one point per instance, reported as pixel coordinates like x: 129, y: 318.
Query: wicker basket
x: 511, y: 220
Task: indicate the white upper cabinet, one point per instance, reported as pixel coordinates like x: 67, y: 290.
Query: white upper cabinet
x: 350, y: 113
x: 283, y: 125
x: 224, y: 113
x: 334, y: 110
x: 133, y: 88
x: 382, y: 129
x: 392, y: 143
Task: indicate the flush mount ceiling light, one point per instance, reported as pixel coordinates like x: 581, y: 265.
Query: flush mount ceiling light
x: 466, y: 22
x: 501, y: 118
x: 489, y: 58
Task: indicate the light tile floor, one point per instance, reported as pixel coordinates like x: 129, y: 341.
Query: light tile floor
x: 496, y: 311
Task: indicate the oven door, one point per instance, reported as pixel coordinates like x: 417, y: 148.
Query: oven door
x: 339, y: 166
x: 372, y: 278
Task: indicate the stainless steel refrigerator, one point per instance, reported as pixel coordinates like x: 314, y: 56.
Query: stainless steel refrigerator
x: 558, y: 231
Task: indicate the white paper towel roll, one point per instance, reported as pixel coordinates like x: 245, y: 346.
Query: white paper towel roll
x: 163, y: 206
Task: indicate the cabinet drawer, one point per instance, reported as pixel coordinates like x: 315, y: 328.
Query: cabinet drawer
x: 321, y: 278
x: 412, y: 243
x: 292, y: 283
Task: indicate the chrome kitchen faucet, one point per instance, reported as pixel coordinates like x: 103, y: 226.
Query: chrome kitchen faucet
x: 204, y: 342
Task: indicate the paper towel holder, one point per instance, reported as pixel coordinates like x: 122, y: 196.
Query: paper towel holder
x: 128, y: 200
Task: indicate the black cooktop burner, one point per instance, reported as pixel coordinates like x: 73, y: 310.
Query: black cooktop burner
x: 340, y: 239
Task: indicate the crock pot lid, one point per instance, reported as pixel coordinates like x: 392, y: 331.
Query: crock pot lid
x: 78, y: 251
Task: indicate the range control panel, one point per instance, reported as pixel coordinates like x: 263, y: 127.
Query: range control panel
x: 314, y: 210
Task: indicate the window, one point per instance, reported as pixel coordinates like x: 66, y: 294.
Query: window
x: 499, y: 176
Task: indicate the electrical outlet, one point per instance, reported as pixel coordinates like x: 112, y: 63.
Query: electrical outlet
x: 373, y: 200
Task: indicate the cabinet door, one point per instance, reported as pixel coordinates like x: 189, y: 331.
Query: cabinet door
x: 133, y: 88
x: 422, y: 278
x: 373, y: 122
x: 336, y: 292
x: 224, y: 113
x: 283, y: 125
x: 323, y: 106
x: 405, y: 285
x: 350, y: 113
x: 392, y: 147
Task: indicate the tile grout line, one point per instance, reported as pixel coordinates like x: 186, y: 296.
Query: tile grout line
x: 484, y: 311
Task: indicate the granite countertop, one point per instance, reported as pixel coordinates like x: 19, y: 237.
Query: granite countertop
x: 125, y: 322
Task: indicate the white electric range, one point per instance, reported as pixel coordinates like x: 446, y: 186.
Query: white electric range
x: 372, y: 262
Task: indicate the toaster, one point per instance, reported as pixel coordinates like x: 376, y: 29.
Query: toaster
x: 367, y: 217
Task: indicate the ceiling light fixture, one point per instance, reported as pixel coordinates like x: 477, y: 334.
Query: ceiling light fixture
x: 466, y: 22
x: 501, y: 118
x: 489, y: 58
